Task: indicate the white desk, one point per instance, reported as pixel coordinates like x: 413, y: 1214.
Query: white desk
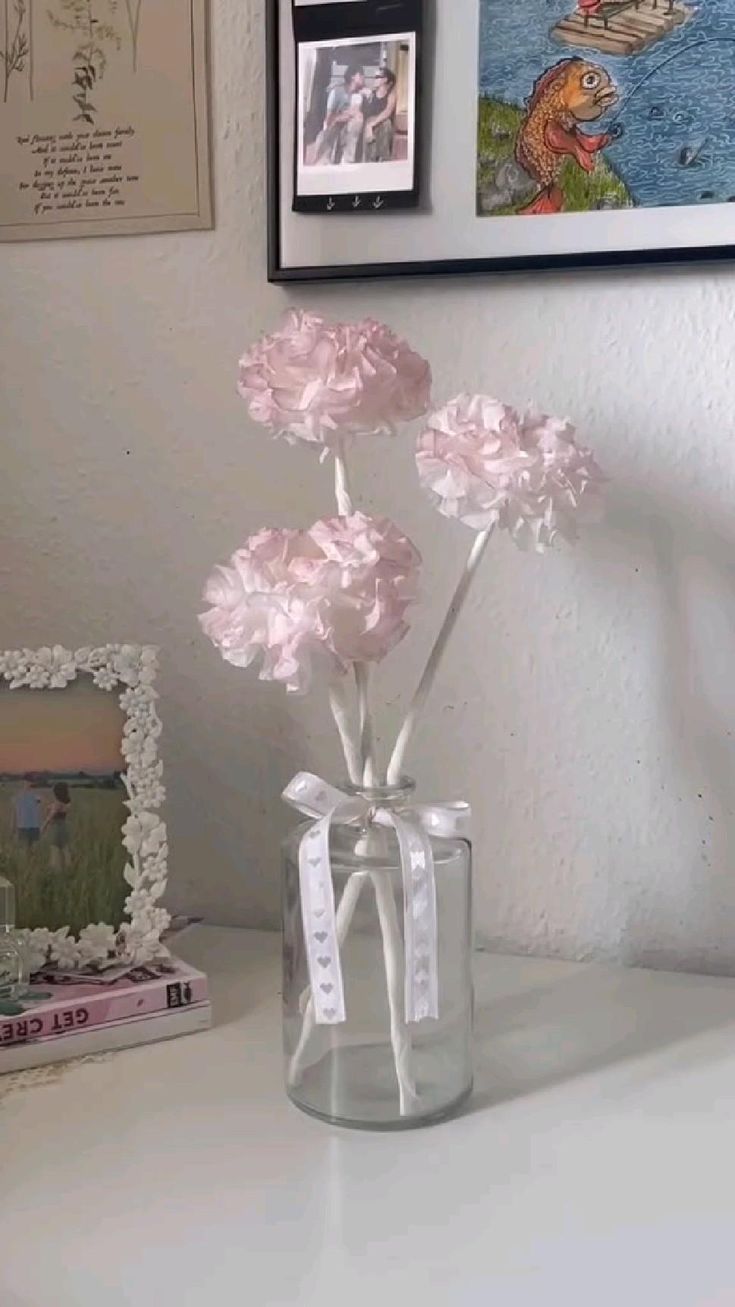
x: 596, y: 1167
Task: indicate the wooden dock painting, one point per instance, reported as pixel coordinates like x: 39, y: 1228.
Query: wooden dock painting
x: 620, y: 27
x: 588, y: 105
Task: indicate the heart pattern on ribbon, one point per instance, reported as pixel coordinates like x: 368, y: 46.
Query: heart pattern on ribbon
x: 324, y: 805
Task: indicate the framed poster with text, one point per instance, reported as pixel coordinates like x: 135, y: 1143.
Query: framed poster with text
x: 103, y: 117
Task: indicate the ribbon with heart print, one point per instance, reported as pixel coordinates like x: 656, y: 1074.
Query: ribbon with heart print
x: 413, y: 826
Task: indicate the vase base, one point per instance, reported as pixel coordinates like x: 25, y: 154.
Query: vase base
x: 363, y: 1081
x: 383, y: 1127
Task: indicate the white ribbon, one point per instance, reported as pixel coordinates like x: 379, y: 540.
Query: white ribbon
x: 413, y: 827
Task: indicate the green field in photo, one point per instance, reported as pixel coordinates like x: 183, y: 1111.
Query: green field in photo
x: 90, y: 887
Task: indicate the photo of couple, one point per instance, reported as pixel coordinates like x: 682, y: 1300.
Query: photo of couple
x: 360, y: 121
x: 357, y: 115
x: 35, y: 817
x: 62, y: 805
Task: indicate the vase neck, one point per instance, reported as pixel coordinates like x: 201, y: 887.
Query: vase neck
x: 385, y: 796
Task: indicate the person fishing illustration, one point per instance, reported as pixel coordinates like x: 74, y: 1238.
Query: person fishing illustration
x: 573, y: 91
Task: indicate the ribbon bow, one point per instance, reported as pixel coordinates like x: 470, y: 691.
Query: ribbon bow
x: 413, y: 827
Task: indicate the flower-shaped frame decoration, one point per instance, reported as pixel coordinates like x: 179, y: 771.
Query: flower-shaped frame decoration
x: 128, y: 671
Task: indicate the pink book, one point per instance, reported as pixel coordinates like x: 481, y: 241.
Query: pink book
x: 76, y: 1005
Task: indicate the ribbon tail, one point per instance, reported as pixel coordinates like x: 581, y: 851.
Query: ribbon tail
x: 320, y: 925
x: 419, y: 920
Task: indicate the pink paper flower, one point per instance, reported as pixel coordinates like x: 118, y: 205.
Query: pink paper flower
x: 485, y: 464
x: 299, y: 600
x: 323, y: 381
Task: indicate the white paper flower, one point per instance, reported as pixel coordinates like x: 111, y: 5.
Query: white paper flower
x: 138, y: 704
x: 64, y: 950
x: 141, y: 945
x: 132, y: 875
x: 485, y: 464
x: 96, y: 942
x: 104, y: 679
x: 144, y: 834
x: 293, y: 601
x: 150, y: 793
x: 59, y: 666
x: 35, y: 945
x: 319, y: 381
x: 154, y: 920
x: 137, y: 902
x: 10, y: 663
x: 134, y: 666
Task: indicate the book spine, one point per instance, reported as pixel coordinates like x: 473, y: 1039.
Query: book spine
x: 104, y: 1039
x: 100, y: 1009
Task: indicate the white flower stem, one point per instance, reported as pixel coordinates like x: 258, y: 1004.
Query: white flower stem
x: 367, y: 736
x: 394, y: 974
x: 341, y: 714
x: 395, y: 766
x: 342, y: 491
x: 361, y: 767
x: 390, y: 929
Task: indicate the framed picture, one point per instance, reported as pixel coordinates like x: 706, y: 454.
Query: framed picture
x: 103, y: 118
x: 81, y: 838
x: 356, y: 129
x: 553, y: 134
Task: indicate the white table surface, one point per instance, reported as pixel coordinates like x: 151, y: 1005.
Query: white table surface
x: 595, y: 1167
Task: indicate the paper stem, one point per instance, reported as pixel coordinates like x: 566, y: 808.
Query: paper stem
x: 367, y: 736
x: 342, y: 491
x: 395, y: 766
x: 341, y: 714
x: 394, y: 975
x: 360, y: 760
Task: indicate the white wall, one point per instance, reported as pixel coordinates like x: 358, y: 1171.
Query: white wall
x: 587, y: 708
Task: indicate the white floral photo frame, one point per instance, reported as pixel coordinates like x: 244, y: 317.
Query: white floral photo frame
x: 129, y: 671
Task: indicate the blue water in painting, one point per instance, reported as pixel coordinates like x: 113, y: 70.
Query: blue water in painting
x: 686, y: 105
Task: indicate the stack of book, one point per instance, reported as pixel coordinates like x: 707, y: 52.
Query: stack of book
x: 66, y: 1016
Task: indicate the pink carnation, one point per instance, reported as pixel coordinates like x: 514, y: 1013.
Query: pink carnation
x: 328, y: 597
x: 485, y: 464
x: 323, y: 381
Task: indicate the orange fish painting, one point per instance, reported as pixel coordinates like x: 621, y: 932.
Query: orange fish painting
x: 589, y: 106
x: 574, y: 91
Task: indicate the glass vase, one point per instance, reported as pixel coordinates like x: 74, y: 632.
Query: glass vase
x: 375, y: 1070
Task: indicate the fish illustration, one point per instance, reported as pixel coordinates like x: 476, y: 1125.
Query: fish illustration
x: 571, y: 92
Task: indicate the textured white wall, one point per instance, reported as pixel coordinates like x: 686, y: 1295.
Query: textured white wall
x: 587, y: 708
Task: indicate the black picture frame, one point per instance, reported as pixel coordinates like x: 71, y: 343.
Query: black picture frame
x: 279, y: 274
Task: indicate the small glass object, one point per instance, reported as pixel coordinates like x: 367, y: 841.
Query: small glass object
x: 374, y: 1071
x: 13, y: 967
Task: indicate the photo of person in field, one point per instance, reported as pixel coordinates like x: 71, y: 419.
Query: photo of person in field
x: 27, y: 813
x: 57, y: 825
x: 62, y: 805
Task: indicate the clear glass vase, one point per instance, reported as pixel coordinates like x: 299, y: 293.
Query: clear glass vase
x: 375, y: 1071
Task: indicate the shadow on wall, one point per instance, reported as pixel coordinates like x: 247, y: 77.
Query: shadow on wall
x: 228, y: 762
x: 690, y: 916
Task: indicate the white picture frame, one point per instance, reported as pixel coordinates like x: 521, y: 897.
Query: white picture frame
x: 129, y: 671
